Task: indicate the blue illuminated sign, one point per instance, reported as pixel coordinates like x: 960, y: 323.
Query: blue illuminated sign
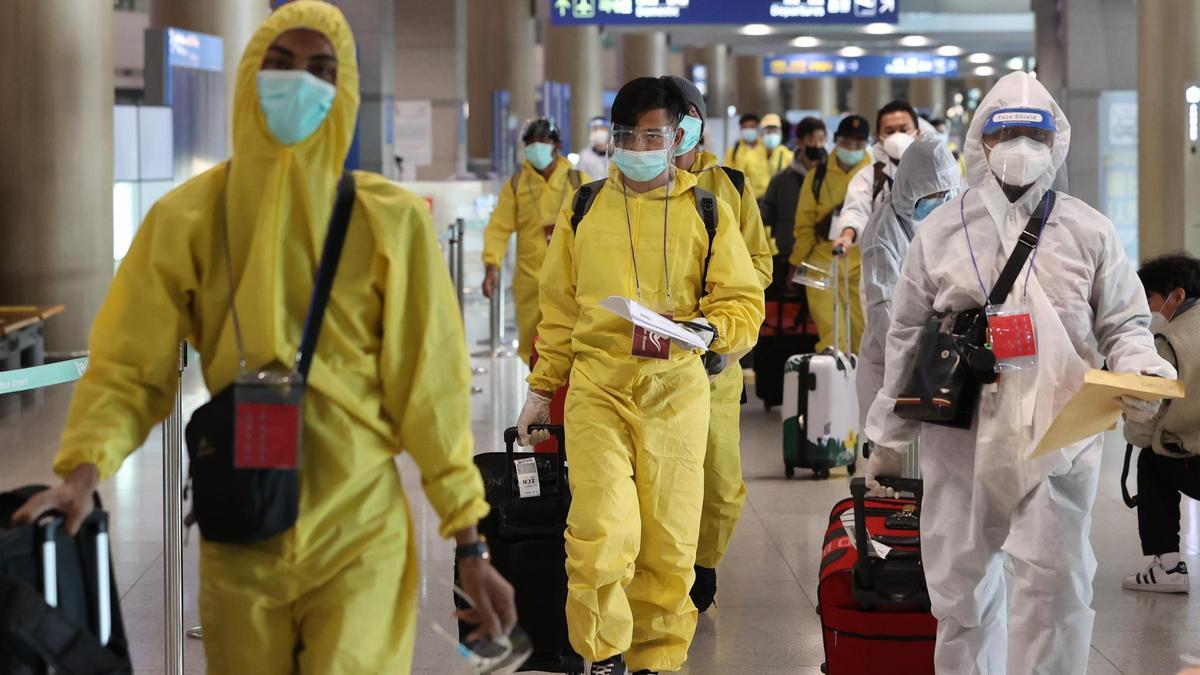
x: 196, y: 51
x: 638, y: 12
x: 910, y: 64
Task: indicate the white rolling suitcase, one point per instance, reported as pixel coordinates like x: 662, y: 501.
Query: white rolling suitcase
x: 820, y: 404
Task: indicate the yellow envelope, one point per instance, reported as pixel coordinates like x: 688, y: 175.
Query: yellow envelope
x: 1094, y: 408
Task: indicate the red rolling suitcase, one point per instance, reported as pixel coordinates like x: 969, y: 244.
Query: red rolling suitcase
x: 558, y: 405
x: 875, y: 611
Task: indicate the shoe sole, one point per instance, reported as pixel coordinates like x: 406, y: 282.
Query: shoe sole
x: 1153, y: 588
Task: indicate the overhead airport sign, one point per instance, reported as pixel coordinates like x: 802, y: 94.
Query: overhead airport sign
x: 644, y: 12
x: 909, y: 64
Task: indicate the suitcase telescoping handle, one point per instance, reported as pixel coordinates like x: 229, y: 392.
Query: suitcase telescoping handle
x: 841, y: 312
x: 858, y: 490
x: 95, y: 527
x: 510, y: 440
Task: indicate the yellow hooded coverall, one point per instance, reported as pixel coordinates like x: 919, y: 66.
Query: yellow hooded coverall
x: 818, y: 251
x: 338, y: 592
x: 636, y: 426
x: 751, y: 161
x: 724, y: 490
x: 528, y: 209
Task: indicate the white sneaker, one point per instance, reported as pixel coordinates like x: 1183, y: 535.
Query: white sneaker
x: 1155, y: 579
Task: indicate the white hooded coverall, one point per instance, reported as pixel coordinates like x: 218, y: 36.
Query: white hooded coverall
x: 983, y: 496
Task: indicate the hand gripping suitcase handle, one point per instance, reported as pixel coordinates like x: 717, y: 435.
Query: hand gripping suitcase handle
x: 510, y: 440
x: 96, y: 527
x: 858, y: 490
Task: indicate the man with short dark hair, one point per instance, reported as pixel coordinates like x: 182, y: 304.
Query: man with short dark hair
x: 1169, y: 464
x: 637, y: 412
x: 896, y: 127
x: 749, y: 154
x: 778, y: 205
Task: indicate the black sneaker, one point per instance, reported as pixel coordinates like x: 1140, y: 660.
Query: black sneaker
x: 614, y: 665
x: 704, y: 589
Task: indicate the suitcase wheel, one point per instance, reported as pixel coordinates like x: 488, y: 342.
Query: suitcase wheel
x: 850, y: 468
x: 789, y: 470
x: 821, y: 474
x: 824, y: 668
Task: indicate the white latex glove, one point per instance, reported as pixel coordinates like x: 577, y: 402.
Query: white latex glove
x: 1138, y: 410
x: 536, y: 411
x: 883, y: 462
x: 701, y: 328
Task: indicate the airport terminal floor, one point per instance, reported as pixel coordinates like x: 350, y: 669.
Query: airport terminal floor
x: 764, y: 620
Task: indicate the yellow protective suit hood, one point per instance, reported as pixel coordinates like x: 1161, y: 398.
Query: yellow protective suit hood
x: 278, y: 198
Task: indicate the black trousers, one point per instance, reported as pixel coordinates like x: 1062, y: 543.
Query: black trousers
x: 1160, y: 481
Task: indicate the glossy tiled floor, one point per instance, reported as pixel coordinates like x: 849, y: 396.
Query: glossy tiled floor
x: 764, y: 622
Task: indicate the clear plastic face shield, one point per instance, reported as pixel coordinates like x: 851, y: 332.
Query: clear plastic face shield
x: 642, y: 139
x: 1018, y: 142
x: 643, y: 153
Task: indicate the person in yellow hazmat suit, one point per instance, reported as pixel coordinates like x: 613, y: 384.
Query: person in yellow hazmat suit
x: 529, y: 203
x: 749, y: 154
x: 821, y: 199
x: 779, y: 158
x: 637, y: 412
x: 337, y: 593
x: 724, y: 490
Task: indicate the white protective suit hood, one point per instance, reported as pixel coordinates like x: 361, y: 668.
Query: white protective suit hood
x: 1017, y: 89
x: 928, y: 167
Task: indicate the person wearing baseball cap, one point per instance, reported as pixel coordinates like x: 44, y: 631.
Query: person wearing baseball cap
x: 778, y: 156
x: 821, y: 199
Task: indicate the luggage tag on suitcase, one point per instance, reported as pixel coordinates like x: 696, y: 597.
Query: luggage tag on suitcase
x: 267, y: 420
x: 1013, y: 337
x: 528, y: 483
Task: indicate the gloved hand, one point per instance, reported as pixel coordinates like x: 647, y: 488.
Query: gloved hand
x: 885, y: 462
x: 701, y: 328
x: 1138, y: 410
x: 536, y: 411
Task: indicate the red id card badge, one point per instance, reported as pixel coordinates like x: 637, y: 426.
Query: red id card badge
x: 267, y: 423
x: 1014, y: 340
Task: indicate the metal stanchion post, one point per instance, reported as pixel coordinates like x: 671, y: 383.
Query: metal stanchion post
x: 495, y: 340
x: 460, y: 231
x: 172, y: 447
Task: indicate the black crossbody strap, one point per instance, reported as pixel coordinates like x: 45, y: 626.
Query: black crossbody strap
x: 1025, y: 245
x: 339, y: 221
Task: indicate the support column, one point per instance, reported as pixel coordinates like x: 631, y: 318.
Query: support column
x: 643, y: 55
x: 573, y: 55
x: 928, y: 93
x: 815, y: 93
x: 56, y: 202
x: 772, y: 101
x: 869, y: 94
x: 750, y: 88
x: 501, y: 37
x: 431, y: 63
x: 234, y: 21
x: 715, y: 59
x: 1167, y: 62
x: 374, y: 26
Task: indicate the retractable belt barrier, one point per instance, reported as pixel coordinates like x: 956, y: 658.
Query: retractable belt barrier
x: 37, y: 377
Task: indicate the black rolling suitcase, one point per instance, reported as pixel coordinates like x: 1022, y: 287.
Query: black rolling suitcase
x: 526, y: 538
x: 787, y: 330
x: 59, y: 604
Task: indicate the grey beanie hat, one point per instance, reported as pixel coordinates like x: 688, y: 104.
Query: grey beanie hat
x: 692, y: 94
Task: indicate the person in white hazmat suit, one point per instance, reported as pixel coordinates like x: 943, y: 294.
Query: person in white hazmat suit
x: 983, y: 495
x: 927, y: 178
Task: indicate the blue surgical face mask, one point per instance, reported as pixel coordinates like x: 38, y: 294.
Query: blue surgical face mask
x: 772, y: 139
x: 539, y: 155
x: 641, y: 165
x: 295, y: 103
x: 926, y: 205
x: 691, y: 134
x: 851, y: 157
x: 750, y: 134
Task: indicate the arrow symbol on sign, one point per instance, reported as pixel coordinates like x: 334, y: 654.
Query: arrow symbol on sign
x: 887, y: 6
x: 563, y: 6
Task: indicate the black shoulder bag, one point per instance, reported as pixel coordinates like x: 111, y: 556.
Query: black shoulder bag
x: 954, y: 358
x: 255, y: 501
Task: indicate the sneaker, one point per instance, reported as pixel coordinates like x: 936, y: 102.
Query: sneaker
x: 704, y: 588
x: 1155, y: 579
x: 614, y: 665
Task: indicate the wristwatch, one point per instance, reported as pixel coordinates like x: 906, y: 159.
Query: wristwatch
x: 475, y: 549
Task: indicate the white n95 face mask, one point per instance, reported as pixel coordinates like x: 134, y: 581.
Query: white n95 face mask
x: 1020, y: 161
x: 896, y: 144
